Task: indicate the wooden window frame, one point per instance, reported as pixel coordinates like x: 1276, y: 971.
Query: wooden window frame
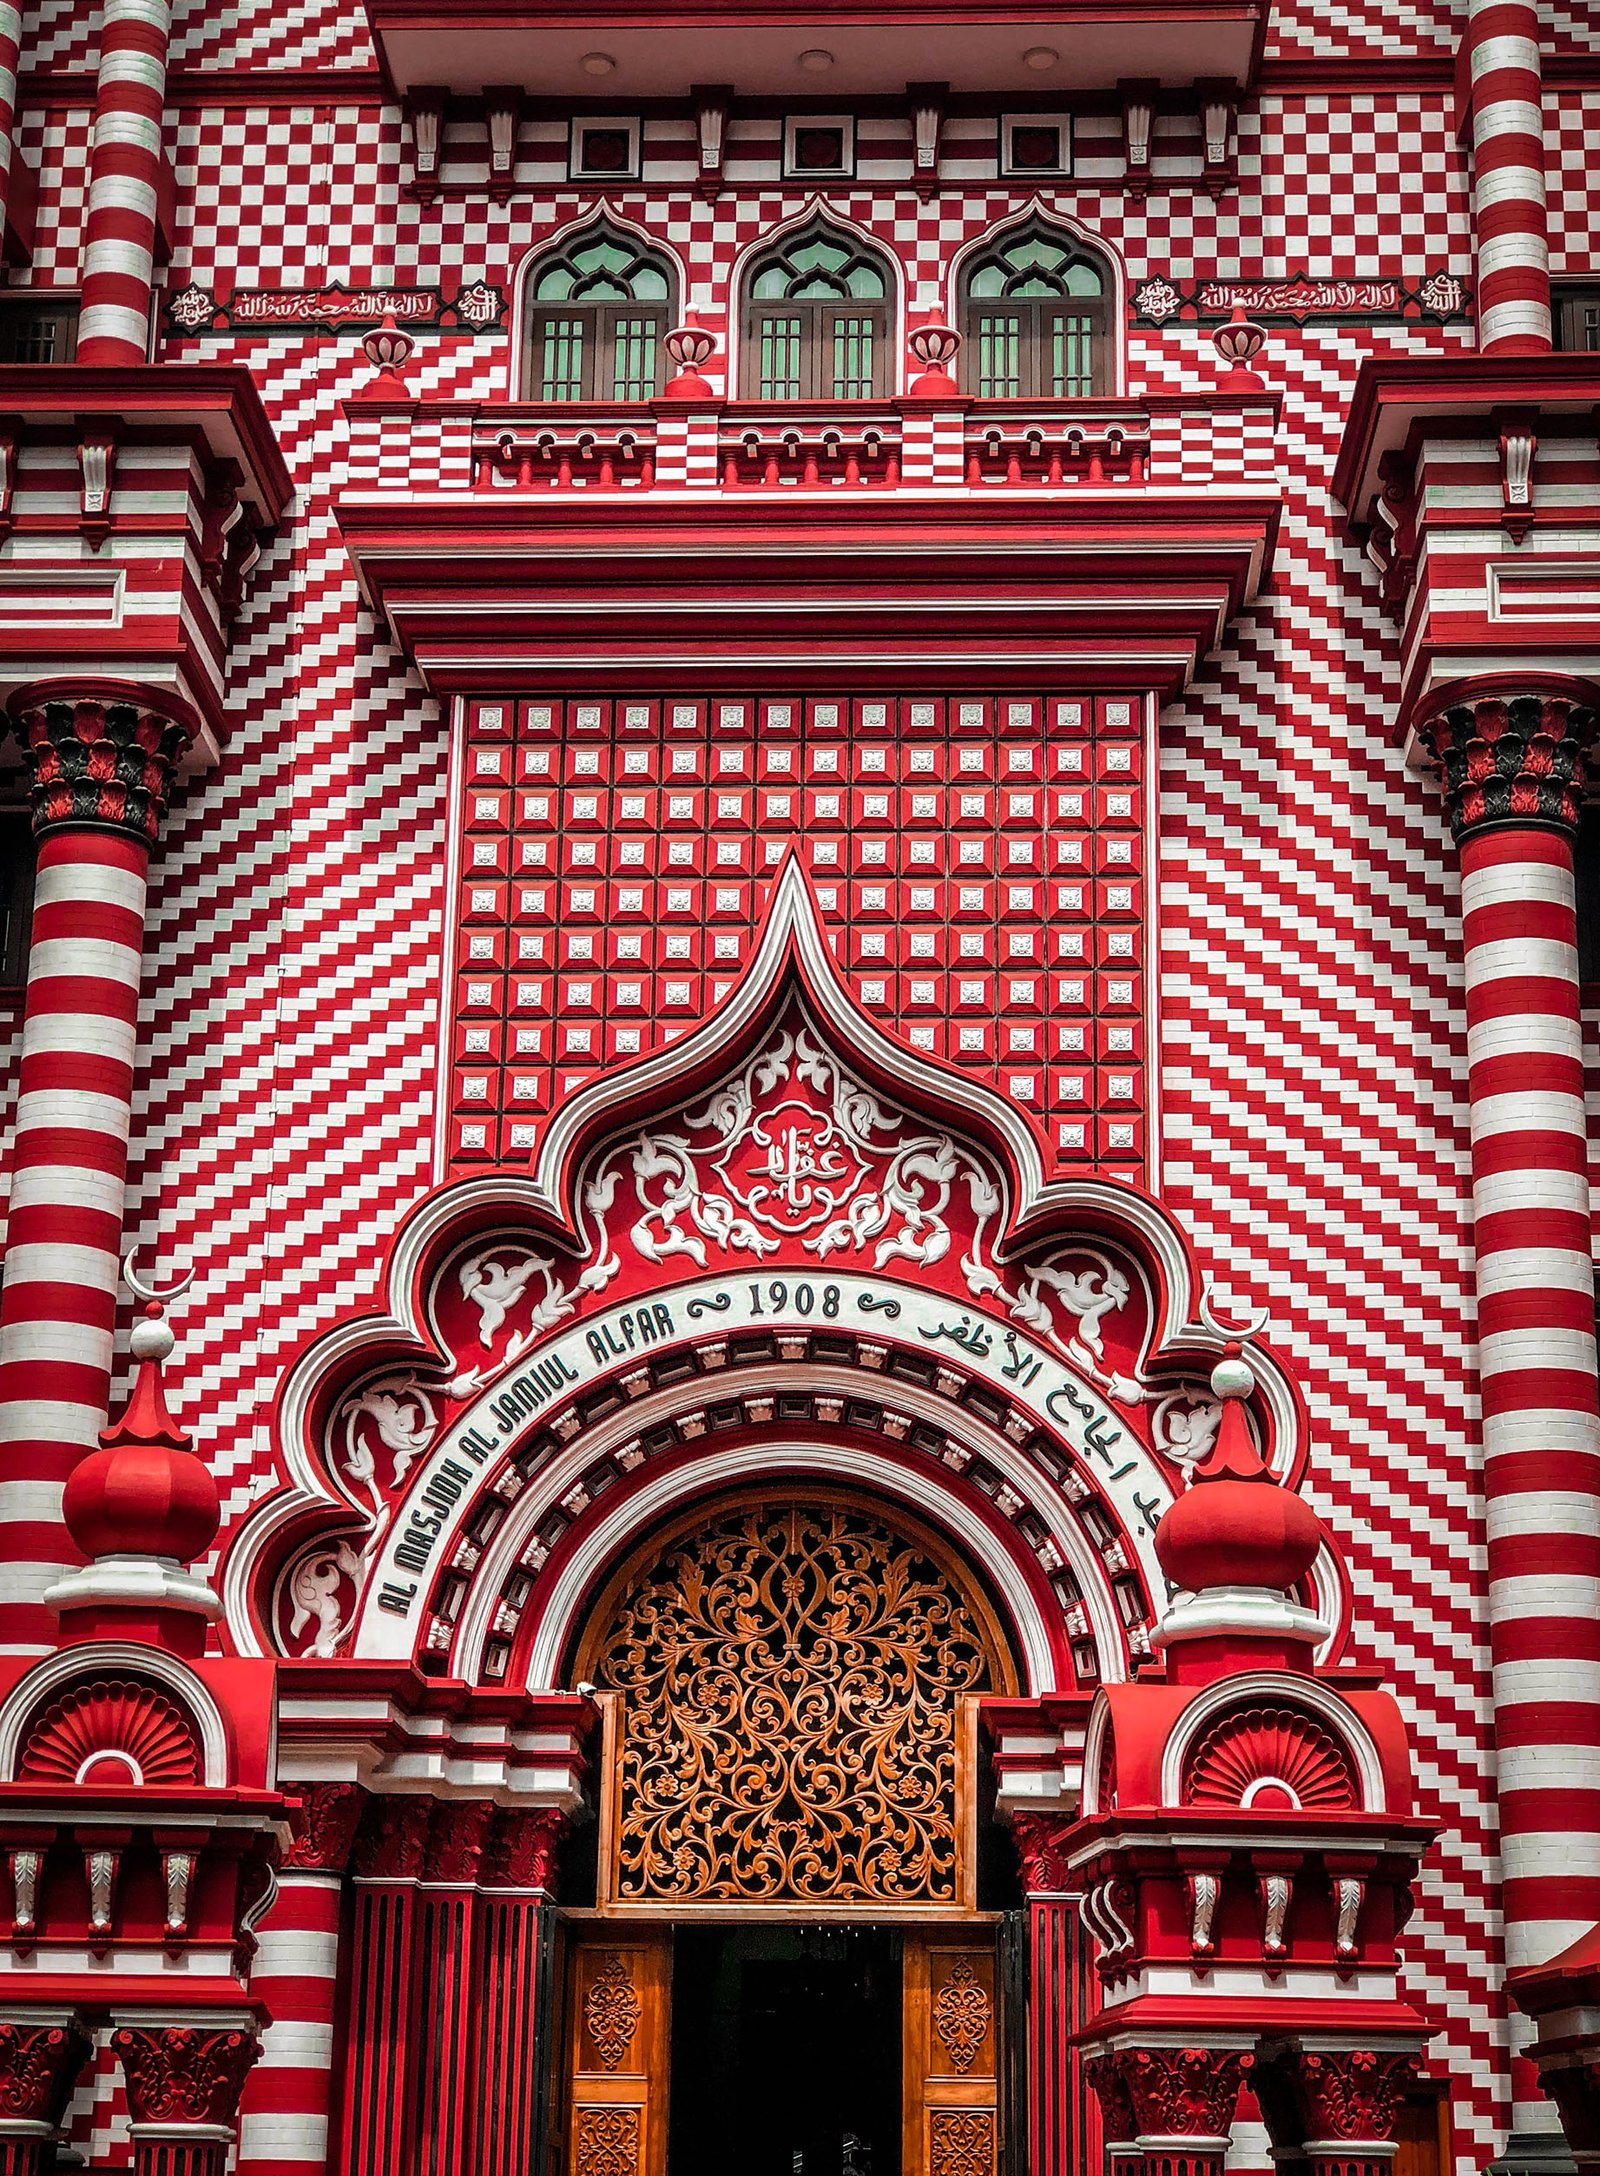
x: 597, y: 323
x: 44, y: 304
x: 1569, y: 299
x: 817, y: 381
x: 1039, y: 315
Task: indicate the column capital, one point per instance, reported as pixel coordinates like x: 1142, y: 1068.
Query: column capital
x: 184, y: 2077
x: 329, y: 1816
x: 1184, y: 2092
x: 39, y: 2066
x: 525, y: 1848
x: 1511, y: 748
x: 103, y: 753
x: 1041, y: 1841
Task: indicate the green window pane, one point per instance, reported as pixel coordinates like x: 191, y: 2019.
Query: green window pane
x: 554, y: 284
x: 779, y: 339
x: 634, y: 372
x: 561, y: 359
x: 1071, y: 358
x: 999, y: 358
x: 852, y: 358
x: 1083, y: 279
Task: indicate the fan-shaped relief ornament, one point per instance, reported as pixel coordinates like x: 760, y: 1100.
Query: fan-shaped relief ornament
x: 612, y: 2009
x: 112, y: 1731
x: 1273, y: 1759
x: 791, y: 1681
x: 961, y: 2015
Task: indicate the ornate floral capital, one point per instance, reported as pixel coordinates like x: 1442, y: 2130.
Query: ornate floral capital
x: 1354, y: 2095
x: 182, y: 2075
x: 1104, y: 2075
x: 39, y: 2066
x: 457, y: 1839
x: 1510, y: 757
x: 524, y: 1849
x: 393, y: 1840
x: 329, y: 1816
x: 1183, y: 2092
x: 1041, y: 1841
x: 104, y: 759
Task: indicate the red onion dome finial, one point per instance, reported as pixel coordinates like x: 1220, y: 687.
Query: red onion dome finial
x: 1234, y: 1526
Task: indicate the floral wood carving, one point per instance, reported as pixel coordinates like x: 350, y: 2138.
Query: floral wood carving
x: 1273, y: 1759
x: 961, y: 2015
x: 792, y: 1680
x: 112, y: 1730
x: 183, y: 2074
x: 329, y: 1816
x: 39, y: 2066
x: 608, y: 2141
x: 611, y: 2010
x: 1354, y: 2095
x: 960, y: 2142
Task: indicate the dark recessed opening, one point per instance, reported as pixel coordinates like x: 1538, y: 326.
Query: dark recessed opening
x: 785, y: 2051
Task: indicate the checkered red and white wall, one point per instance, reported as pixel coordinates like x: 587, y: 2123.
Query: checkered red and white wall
x: 1308, y: 1058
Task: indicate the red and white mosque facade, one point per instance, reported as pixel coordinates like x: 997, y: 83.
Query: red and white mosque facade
x: 807, y: 830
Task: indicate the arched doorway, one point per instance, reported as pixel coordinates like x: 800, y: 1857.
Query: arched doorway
x: 791, y: 1965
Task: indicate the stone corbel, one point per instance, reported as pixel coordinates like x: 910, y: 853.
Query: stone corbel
x: 928, y: 101
x: 1518, y: 446
x: 1392, y: 544
x: 1138, y: 95
x: 26, y: 1864
x: 503, y: 111
x: 711, y: 103
x: 102, y: 1861
x: 1219, y: 105
x: 1275, y: 1874
x: 97, y: 468
x: 425, y: 112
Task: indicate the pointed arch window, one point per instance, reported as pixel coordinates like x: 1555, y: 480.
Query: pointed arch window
x: 599, y: 309
x: 1036, y: 318
x: 817, y: 319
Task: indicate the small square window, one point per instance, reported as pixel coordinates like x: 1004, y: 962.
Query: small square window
x: 38, y: 327
x: 819, y: 146
x: 605, y: 150
x: 1035, y: 144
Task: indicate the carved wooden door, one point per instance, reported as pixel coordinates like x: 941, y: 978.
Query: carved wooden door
x: 619, y: 2052
x: 952, y: 2055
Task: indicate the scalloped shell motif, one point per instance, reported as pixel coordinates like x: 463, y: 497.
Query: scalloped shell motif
x: 111, y: 1730
x: 1244, y: 1753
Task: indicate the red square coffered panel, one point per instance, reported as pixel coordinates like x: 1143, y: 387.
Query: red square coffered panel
x: 980, y: 862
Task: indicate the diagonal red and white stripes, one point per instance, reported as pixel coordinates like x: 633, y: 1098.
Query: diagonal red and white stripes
x: 101, y: 770
x: 1508, y: 200
x: 1513, y: 771
x: 124, y: 178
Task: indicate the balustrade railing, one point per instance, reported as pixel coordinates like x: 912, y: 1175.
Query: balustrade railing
x: 564, y: 457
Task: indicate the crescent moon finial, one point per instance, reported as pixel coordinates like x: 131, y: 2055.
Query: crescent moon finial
x: 149, y: 1292
x: 1232, y: 1332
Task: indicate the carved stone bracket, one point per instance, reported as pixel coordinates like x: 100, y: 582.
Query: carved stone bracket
x: 1507, y: 756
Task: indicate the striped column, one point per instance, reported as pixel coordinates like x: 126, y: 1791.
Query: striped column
x: 102, y: 762
x: 119, y: 238
x: 10, y: 50
x: 284, y: 2111
x: 1512, y: 759
x: 1508, y: 209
